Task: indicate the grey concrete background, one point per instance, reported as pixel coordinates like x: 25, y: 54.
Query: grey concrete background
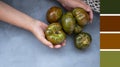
x: 20, y: 48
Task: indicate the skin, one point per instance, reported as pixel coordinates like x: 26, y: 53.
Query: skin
x: 37, y: 27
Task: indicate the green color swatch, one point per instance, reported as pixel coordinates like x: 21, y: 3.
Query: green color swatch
x: 110, y: 6
x: 109, y: 59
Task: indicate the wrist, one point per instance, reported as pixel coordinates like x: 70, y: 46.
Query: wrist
x: 32, y: 25
x: 35, y: 25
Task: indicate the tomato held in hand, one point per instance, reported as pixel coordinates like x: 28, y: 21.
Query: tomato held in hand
x: 55, y: 34
x: 81, y: 16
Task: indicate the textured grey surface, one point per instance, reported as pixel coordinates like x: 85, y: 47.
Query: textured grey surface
x: 19, y: 48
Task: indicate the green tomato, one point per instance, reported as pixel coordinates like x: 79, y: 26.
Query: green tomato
x: 55, y: 34
x: 54, y: 14
x: 81, y: 16
x: 83, y: 40
x: 68, y: 23
x: 77, y: 29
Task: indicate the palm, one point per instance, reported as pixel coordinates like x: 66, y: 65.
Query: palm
x: 39, y: 33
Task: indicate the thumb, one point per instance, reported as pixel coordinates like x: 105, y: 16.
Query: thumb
x: 46, y: 42
x: 91, y: 14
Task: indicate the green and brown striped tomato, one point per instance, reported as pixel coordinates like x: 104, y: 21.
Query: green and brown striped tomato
x: 83, y: 40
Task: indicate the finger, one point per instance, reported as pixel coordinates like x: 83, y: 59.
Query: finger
x: 91, y: 16
x: 68, y: 8
x: 43, y: 25
x: 44, y: 28
x: 63, y: 44
x: 58, y: 46
x: 46, y: 42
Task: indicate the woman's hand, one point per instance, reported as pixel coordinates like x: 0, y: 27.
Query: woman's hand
x: 10, y: 15
x: 38, y: 30
x: 70, y: 4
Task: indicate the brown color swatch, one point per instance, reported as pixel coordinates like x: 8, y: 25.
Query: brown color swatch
x: 110, y: 41
x: 110, y: 23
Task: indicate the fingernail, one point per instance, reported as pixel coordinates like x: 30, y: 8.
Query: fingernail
x: 51, y: 46
x: 58, y: 46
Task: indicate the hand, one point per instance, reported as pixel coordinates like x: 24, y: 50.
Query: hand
x: 38, y: 30
x: 70, y: 4
x: 24, y: 21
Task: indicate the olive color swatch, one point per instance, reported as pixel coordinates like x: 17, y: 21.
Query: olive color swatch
x: 110, y: 23
x: 110, y: 6
x: 110, y: 41
x: 109, y: 59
